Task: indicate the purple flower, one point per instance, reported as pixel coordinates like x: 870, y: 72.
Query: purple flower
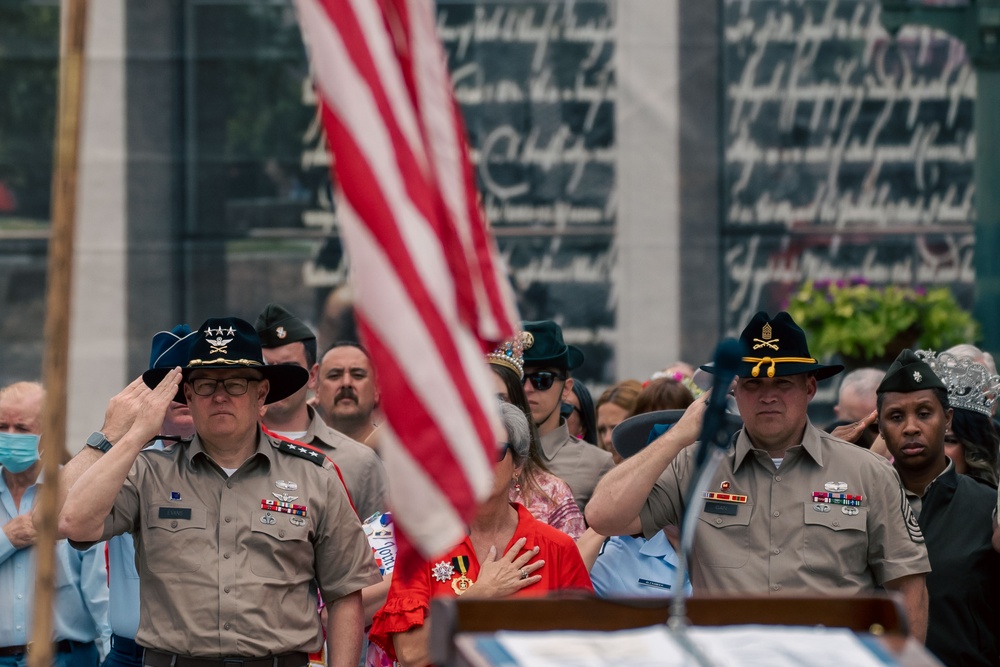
x: 858, y: 280
x: 920, y: 290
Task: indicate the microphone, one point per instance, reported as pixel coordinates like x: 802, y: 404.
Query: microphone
x: 728, y: 356
x: 711, y: 445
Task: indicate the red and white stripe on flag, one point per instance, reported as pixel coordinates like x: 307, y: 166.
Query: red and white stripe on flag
x: 430, y: 293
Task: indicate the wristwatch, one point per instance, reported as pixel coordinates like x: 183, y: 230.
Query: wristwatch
x: 99, y: 442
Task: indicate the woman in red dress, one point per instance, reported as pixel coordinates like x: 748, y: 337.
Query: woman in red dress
x: 507, y: 553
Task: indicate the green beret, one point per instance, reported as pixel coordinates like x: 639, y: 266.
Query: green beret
x: 909, y: 373
x: 276, y: 327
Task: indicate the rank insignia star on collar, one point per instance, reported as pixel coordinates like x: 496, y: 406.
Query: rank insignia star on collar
x: 443, y: 571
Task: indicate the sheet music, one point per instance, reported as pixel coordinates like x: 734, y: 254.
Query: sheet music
x: 733, y: 646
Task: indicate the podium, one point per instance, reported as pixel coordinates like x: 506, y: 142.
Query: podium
x: 878, y: 616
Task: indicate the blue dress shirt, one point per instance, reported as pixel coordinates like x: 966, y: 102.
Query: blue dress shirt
x: 124, y: 586
x: 636, y: 567
x: 81, y: 595
x: 124, y: 581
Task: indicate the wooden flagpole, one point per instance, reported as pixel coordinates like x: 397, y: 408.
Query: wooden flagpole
x: 57, y: 318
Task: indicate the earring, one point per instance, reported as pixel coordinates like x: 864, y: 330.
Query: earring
x: 516, y: 483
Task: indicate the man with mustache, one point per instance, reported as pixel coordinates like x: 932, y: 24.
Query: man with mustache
x: 346, y: 392
x: 287, y: 340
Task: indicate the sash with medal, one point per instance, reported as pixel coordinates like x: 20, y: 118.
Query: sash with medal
x: 463, y: 582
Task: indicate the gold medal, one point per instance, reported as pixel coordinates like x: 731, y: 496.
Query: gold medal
x: 463, y: 583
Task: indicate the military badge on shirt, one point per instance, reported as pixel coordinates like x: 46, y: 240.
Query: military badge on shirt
x: 910, y: 519
x: 463, y: 583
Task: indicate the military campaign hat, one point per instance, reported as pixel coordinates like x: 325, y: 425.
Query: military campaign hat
x: 776, y: 347
x: 633, y: 434
x: 229, y: 342
x: 544, y: 346
x: 276, y: 327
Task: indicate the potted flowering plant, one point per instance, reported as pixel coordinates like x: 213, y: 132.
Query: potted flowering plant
x: 870, y: 325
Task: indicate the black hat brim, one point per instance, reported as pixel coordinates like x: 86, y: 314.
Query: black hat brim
x: 570, y: 359
x: 783, y: 369
x: 284, y: 379
x: 632, y: 435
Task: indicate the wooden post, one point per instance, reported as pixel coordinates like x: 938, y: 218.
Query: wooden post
x: 57, y: 319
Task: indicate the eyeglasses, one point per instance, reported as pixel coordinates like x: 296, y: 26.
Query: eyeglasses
x: 543, y: 380
x: 233, y: 386
x: 502, y: 452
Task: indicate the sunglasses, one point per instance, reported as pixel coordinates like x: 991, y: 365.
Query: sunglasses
x: 502, y: 452
x: 543, y: 380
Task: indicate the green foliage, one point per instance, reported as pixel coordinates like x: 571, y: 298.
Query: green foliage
x: 855, y: 319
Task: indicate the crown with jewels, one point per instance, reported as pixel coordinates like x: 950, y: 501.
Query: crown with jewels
x: 510, y: 353
x: 970, y: 385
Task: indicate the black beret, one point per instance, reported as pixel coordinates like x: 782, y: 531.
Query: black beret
x: 909, y: 373
x: 276, y: 327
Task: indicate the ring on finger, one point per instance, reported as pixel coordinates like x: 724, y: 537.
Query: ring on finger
x: 524, y: 573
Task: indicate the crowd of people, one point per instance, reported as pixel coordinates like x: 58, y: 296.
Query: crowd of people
x: 233, y: 505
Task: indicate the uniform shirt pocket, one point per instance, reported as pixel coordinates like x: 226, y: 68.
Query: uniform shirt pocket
x: 279, y: 546
x: 178, y: 531
x: 727, y: 543
x: 835, y: 542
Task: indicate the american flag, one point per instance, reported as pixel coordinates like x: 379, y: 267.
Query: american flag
x: 430, y: 292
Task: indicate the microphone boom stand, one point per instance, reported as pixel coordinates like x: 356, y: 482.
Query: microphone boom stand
x: 679, y: 621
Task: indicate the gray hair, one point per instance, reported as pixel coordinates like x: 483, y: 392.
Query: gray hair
x: 862, y: 381
x: 972, y: 352
x: 518, y: 432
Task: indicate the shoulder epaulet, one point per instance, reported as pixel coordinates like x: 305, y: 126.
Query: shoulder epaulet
x: 302, y: 450
x: 168, y: 441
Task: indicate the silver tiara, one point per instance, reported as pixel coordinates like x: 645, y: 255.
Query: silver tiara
x: 970, y: 385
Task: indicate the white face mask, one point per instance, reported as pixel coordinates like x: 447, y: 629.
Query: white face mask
x: 18, y: 451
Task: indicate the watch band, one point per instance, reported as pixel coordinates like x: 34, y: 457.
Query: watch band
x: 98, y: 441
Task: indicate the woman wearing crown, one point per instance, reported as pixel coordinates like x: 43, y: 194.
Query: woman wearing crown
x: 548, y: 498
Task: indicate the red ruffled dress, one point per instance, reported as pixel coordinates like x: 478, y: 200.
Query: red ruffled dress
x: 408, y: 602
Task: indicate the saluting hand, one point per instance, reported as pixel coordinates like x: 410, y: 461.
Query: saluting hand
x: 153, y: 405
x: 122, y: 410
x: 855, y: 432
x: 688, y: 427
x: 500, y: 577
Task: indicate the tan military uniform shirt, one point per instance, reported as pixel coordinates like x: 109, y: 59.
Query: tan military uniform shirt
x: 223, y: 576
x: 359, y: 465
x: 778, y: 541
x: 575, y: 462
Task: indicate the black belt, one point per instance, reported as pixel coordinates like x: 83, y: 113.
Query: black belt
x: 61, y: 646
x: 154, y: 658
